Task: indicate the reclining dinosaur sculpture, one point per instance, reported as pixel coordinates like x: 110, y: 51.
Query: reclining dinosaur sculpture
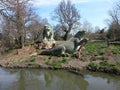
x: 67, y: 47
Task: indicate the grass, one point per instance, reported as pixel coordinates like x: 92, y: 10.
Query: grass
x: 104, y: 66
x: 97, y: 48
x: 115, y: 49
x: 92, y: 66
x: 56, y: 64
x: 74, y: 56
x: 32, y: 59
x: 92, y: 48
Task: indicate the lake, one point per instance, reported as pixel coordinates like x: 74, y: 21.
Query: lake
x: 39, y: 79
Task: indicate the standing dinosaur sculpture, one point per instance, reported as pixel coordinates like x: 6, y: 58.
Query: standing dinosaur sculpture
x: 67, y: 47
x: 48, y: 40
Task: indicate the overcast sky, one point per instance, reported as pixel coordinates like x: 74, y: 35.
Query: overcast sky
x: 94, y: 11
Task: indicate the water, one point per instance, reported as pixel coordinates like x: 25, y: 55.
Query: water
x: 37, y: 79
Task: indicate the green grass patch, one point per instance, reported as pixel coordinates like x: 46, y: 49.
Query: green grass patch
x: 92, y: 48
x: 115, y: 49
x: 33, y: 59
x: 56, y: 64
x: 100, y: 48
x: 74, y: 56
x: 104, y: 66
x: 92, y: 66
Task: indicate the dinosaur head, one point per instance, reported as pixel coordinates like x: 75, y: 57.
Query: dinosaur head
x: 47, y: 27
x: 84, y: 40
x: 80, y: 34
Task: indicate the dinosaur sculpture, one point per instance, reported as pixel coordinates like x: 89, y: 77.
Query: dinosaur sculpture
x: 48, y: 40
x: 48, y: 33
x: 67, y: 47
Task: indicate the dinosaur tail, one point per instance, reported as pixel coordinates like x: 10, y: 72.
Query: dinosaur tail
x: 46, y: 52
x: 53, y: 51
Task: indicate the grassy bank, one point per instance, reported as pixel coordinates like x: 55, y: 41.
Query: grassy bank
x: 96, y: 56
x: 103, y: 58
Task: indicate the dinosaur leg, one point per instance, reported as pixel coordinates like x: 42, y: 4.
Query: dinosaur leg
x: 80, y: 49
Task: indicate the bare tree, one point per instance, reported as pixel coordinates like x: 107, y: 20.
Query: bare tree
x: 17, y: 14
x: 35, y: 28
x: 87, y: 26
x: 114, y: 26
x: 68, y: 16
x: 58, y: 32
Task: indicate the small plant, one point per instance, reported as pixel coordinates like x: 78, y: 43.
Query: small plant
x: 115, y: 49
x: 32, y: 59
x: 64, y: 60
x: 104, y: 63
x: 102, y: 52
x: 38, y: 51
x: 50, y: 57
x: 56, y: 64
x: 92, y: 48
x: 117, y: 63
x: 74, y: 56
x: 92, y: 66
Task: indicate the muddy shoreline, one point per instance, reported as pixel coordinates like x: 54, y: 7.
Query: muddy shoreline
x: 74, y: 69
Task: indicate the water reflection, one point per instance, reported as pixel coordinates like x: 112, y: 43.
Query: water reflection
x: 100, y: 81
x: 7, y: 79
x: 36, y: 79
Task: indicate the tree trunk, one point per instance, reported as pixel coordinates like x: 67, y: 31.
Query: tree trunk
x: 66, y: 35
